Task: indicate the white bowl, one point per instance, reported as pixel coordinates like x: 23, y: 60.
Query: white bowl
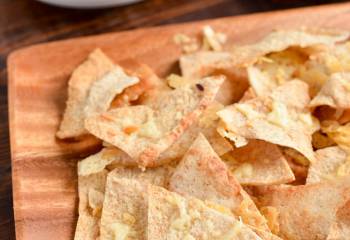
x: 89, y: 3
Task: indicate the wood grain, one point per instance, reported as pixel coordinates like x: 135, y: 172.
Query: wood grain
x: 24, y: 22
x: 44, y: 179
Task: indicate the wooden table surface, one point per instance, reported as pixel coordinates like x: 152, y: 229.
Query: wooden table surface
x: 26, y: 22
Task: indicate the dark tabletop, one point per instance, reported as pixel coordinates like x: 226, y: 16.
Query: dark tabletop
x: 25, y: 22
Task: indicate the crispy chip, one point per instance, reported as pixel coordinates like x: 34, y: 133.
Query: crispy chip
x: 171, y: 216
x: 307, y: 212
x: 79, y: 85
x: 281, y: 118
x: 91, y: 191
x: 103, y: 91
x: 202, y: 174
x: 340, y: 229
x: 280, y: 40
x: 259, y: 163
x: 124, y: 210
x: 144, y: 132
x: 148, y: 82
x: 125, y: 207
x: 328, y: 164
x: 335, y: 92
x: 207, y: 126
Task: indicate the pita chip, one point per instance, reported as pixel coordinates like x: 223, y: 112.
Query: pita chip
x: 281, y: 118
x: 125, y: 202
x: 329, y: 165
x: 335, y: 92
x: 124, y: 210
x: 340, y: 229
x: 307, y: 211
x: 148, y: 81
x: 91, y: 194
x: 280, y: 40
x: 259, y: 163
x: 96, y: 66
x: 103, y: 90
x: 171, y: 216
x: 144, y: 132
x: 203, y: 175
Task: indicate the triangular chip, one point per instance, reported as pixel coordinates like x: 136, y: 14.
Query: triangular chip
x: 335, y: 92
x: 93, y: 68
x: 91, y: 194
x: 173, y: 217
x: 144, y: 132
x: 307, y: 211
x: 203, y: 175
x: 124, y: 211
x: 103, y: 90
x: 340, y: 229
x: 281, y: 118
x: 259, y: 163
x: 328, y: 165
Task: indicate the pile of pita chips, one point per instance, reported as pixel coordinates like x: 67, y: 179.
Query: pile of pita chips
x: 247, y: 143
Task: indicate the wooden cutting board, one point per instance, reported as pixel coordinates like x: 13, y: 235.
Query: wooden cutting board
x: 44, y: 168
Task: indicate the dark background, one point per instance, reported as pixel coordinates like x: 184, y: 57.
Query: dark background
x: 25, y: 22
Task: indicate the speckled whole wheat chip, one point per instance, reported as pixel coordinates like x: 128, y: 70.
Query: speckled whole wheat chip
x: 259, y: 163
x: 281, y: 118
x: 99, y: 161
x: 335, y: 92
x: 144, y: 132
x: 329, y: 162
x: 124, y: 214
x: 92, y: 191
x: 203, y: 175
x: 307, y: 211
x: 173, y: 217
x: 96, y: 65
